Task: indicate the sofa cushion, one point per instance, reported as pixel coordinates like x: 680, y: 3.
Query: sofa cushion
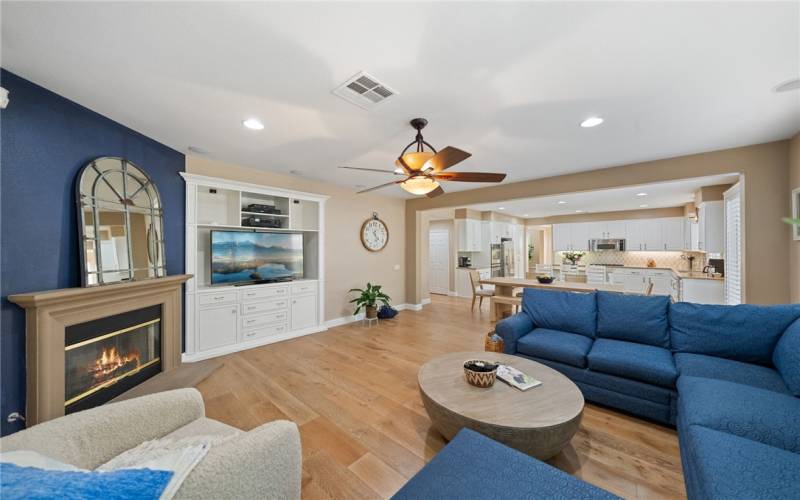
x: 558, y: 310
x: 565, y: 347
x: 745, y: 411
x: 700, y: 365
x: 725, y: 466
x: 787, y: 357
x: 501, y: 472
x: 744, y: 332
x: 635, y: 318
x: 645, y: 363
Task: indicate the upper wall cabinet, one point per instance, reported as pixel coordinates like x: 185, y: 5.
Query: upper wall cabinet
x: 571, y: 237
x: 470, y: 235
x: 711, y: 227
x: 667, y: 234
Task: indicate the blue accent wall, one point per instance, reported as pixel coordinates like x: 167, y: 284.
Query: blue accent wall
x: 45, y: 139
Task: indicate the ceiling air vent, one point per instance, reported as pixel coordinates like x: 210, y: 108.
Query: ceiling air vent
x: 364, y: 90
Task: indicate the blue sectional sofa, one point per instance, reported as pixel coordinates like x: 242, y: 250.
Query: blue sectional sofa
x: 727, y: 376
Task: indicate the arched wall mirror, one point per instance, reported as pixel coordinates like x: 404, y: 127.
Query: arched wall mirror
x: 121, y: 223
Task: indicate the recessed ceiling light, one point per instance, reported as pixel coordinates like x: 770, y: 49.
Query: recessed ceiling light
x: 643, y: 205
x: 253, y: 124
x: 562, y: 202
x: 788, y: 85
x: 641, y: 194
x: 579, y: 211
x: 592, y: 121
x: 501, y: 208
x: 525, y: 215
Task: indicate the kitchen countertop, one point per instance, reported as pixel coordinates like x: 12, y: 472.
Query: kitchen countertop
x: 696, y: 275
x: 693, y: 275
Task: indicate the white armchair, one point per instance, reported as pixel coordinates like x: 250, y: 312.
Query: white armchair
x: 262, y: 463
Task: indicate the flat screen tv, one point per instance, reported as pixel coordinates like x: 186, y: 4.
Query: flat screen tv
x: 244, y: 257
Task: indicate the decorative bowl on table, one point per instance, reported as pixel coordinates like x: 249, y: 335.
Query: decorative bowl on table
x: 480, y: 373
x: 545, y: 280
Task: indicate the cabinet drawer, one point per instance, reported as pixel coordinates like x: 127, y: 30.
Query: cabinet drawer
x: 264, y: 293
x: 660, y: 274
x: 264, y: 331
x: 265, y: 319
x: 214, y: 299
x: 249, y: 308
x: 304, y: 288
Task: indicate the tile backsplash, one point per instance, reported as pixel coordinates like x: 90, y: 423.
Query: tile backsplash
x: 671, y: 260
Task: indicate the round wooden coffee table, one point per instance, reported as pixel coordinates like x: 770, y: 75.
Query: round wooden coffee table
x: 539, y: 421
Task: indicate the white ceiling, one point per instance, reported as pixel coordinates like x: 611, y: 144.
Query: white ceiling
x: 663, y: 194
x: 509, y: 82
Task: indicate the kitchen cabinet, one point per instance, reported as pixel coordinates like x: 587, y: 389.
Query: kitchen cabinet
x: 469, y: 233
x: 217, y: 326
x: 634, y: 235
x: 702, y: 291
x: 711, y: 227
x: 573, y: 236
x: 673, y: 230
x: 604, y: 230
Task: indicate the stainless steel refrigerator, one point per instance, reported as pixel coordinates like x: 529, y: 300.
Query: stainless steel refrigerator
x: 502, y: 258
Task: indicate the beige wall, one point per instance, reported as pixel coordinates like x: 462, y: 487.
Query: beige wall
x: 711, y: 193
x: 794, y: 249
x: 347, y: 263
x: 765, y: 168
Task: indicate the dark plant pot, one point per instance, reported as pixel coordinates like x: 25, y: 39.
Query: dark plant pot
x: 371, y: 312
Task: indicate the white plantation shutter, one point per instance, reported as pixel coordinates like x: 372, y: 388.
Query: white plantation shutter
x: 733, y: 245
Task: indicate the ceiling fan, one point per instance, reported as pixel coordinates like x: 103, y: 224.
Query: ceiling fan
x: 423, y: 169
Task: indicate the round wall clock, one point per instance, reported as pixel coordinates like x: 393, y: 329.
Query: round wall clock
x: 374, y: 234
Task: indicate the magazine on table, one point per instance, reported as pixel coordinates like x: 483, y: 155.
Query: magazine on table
x: 516, y: 378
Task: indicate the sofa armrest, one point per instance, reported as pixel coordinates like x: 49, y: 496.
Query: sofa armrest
x: 512, y: 329
x: 264, y: 463
x: 92, y: 437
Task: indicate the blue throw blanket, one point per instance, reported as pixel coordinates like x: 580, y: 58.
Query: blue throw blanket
x: 34, y: 483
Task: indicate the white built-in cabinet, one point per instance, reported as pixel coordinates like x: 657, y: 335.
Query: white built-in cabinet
x: 664, y: 234
x: 711, y: 227
x: 224, y: 319
x: 470, y: 235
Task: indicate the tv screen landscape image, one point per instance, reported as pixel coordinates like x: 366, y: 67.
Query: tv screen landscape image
x: 240, y: 257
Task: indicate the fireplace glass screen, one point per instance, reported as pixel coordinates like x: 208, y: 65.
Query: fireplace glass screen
x: 106, y: 357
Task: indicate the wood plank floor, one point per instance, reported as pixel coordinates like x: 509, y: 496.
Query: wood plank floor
x: 352, y: 391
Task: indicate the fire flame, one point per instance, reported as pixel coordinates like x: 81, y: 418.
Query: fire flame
x: 111, y: 360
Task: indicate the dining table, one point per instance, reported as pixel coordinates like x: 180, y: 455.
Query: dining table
x: 504, y: 291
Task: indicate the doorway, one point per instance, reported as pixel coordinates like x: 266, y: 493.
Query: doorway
x: 438, y: 261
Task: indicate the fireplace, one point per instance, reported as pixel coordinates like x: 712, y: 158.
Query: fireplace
x: 86, y: 345
x: 106, y: 357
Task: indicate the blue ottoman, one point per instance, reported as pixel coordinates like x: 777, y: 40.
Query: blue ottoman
x: 474, y: 466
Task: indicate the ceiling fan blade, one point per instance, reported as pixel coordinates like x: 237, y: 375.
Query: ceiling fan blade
x: 372, y: 170
x: 436, y: 192
x: 378, y: 187
x: 445, y: 159
x: 400, y: 162
x: 469, y: 176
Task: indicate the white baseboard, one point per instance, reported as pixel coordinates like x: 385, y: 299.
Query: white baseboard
x: 360, y: 316
x: 452, y: 294
x: 426, y: 301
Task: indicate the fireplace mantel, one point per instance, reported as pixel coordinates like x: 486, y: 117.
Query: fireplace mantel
x: 48, y: 314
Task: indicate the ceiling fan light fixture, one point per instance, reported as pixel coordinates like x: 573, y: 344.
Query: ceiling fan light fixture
x: 417, y: 160
x: 419, y: 185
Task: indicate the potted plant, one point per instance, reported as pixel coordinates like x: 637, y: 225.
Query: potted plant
x: 369, y: 299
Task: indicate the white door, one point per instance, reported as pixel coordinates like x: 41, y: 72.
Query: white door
x: 561, y: 237
x: 438, y: 259
x: 653, y: 239
x: 634, y: 235
x: 674, y: 233
x: 217, y: 327
x: 304, y: 311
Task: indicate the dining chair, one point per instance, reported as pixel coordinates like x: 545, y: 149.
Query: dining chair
x: 477, y: 289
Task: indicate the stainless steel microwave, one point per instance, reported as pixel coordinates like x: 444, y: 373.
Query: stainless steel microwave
x: 617, y: 245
